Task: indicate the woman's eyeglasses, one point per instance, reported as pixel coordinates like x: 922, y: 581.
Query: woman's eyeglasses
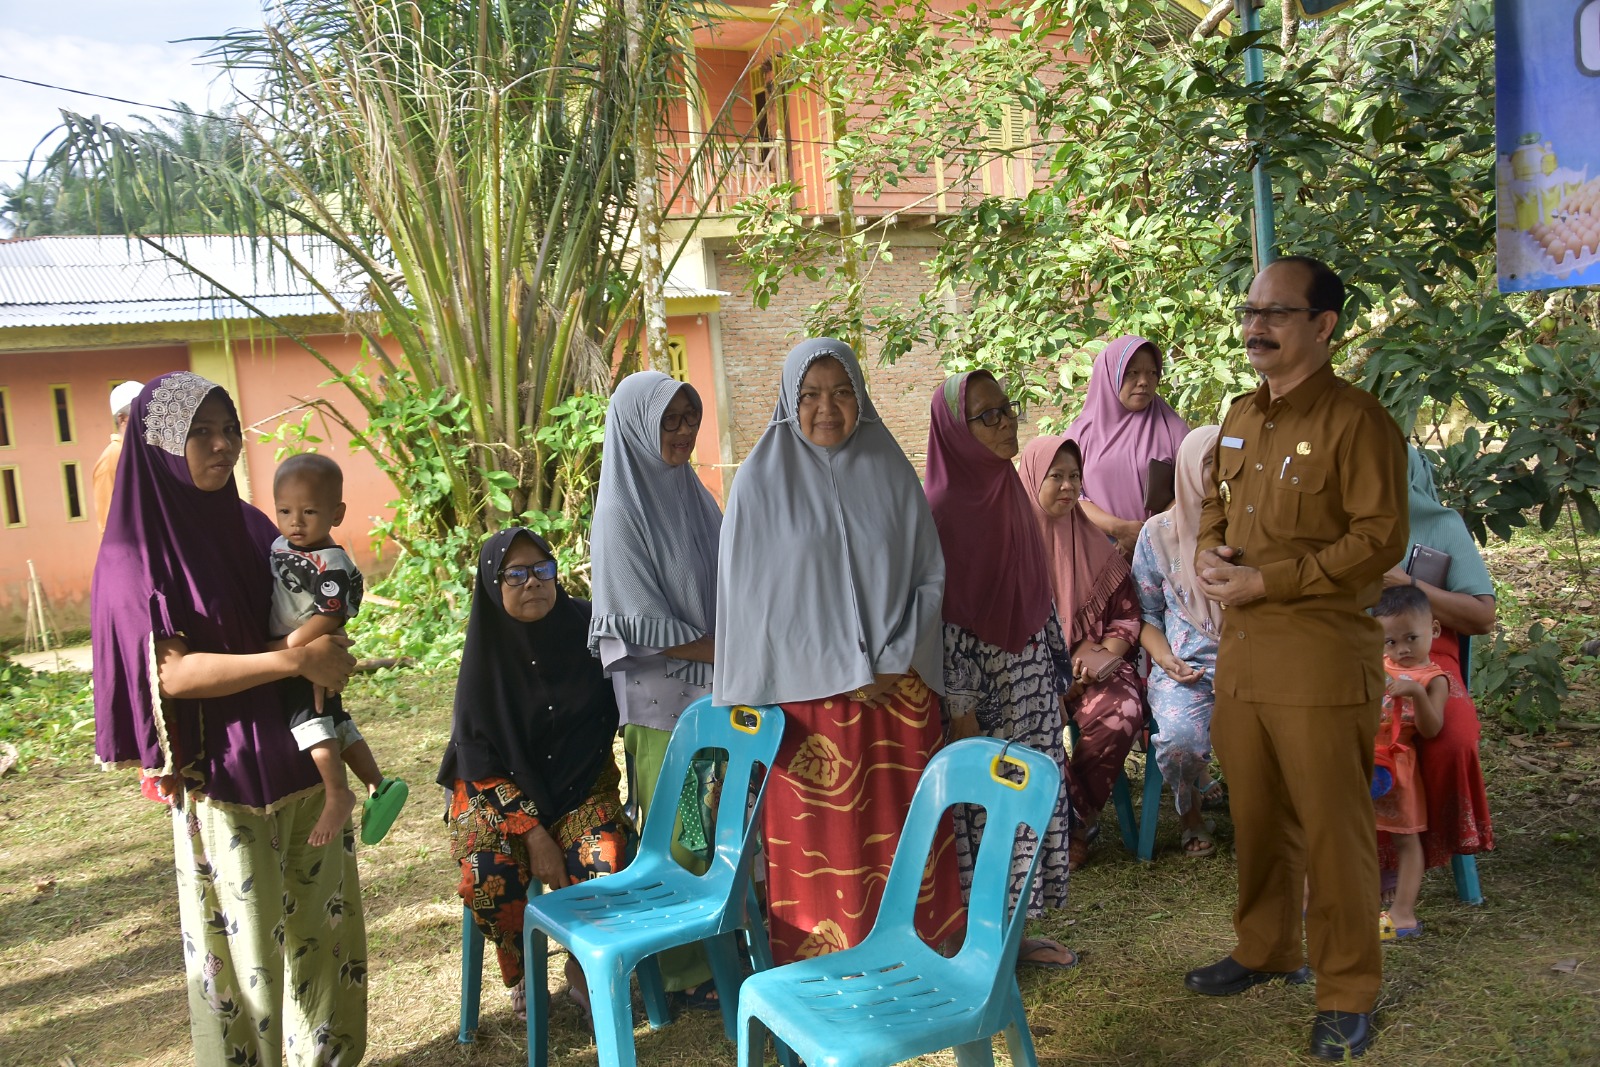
x: 1009, y: 410
x: 544, y: 570
x: 673, y: 423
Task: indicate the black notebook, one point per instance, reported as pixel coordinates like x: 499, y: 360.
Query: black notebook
x: 1159, y: 487
x: 1429, y: 565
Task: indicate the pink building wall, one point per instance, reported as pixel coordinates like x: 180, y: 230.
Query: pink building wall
x: 272, y: 375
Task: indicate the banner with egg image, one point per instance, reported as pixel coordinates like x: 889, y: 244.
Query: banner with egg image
x: 1547, y: 133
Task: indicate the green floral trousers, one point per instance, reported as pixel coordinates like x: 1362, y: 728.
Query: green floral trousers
x: 275, y: 949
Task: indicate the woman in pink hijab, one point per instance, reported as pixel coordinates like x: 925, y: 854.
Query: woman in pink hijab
x: 1123, y: 426
x: 1099, y: 612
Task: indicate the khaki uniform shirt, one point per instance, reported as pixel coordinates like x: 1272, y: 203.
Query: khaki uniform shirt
x: 103, y: 477
x: 1312, y: 488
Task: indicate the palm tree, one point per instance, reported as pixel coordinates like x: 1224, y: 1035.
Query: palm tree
x: 473, y: 165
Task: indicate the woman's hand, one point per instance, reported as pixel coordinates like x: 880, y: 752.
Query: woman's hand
x: 1080, y: 672
x: 1127, y: 535
x: 881, y: 684
x: 545, y: 858
x: 700, y: 650
x: 1395, y: 576
x: 1178, y: 670
x: 327, y: 662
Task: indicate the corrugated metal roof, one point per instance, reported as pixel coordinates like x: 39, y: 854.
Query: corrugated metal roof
x: 96, y: 281
x: 66, y: 281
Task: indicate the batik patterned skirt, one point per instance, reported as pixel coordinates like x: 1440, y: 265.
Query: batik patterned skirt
x: 487, y: 820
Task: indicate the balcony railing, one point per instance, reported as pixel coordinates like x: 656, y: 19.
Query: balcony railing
x: 723, y: 173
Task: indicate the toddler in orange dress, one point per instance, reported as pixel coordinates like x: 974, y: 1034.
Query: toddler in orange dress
x: 1414, y: 699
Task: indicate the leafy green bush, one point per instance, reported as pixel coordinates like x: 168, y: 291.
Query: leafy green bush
x: 46, y: 715
x: 1520, y: 684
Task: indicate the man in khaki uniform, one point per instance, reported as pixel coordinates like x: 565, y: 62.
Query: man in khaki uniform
x: 104, y: 475
x: 1307, y: 510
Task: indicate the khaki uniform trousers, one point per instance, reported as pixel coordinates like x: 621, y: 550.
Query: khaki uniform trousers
x: 1301, y: 803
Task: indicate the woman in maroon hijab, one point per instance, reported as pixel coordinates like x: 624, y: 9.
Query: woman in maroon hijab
x: 274, y: 943
x: 1005, y: 661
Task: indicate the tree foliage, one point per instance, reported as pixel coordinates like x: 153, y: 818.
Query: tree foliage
x: 66, y: 197
x: 1377, y: 128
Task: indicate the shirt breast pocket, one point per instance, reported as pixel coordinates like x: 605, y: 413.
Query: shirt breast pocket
x: 1230, y: 463
x: 1302, y: 506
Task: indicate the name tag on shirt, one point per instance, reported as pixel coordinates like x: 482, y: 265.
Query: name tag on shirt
x: 1233, y: 442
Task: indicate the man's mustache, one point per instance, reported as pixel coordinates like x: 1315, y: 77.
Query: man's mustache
x: 1259, y: 342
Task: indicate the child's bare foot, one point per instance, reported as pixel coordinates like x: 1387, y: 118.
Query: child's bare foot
x: 578, y: 989
x: 335, y: 813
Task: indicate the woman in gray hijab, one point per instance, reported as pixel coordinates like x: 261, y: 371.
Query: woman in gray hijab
x: 654, y: 548
x: 829, y: 583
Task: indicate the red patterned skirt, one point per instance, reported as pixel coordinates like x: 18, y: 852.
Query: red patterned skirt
x: 841, y: 786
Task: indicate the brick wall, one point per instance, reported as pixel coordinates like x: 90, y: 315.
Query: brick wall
x: 755, y: 342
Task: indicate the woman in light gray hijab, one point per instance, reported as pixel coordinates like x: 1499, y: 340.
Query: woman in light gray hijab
x: 654, y: 548
x: 829, y: 584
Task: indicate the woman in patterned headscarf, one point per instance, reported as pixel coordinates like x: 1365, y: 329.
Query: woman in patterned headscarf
x: 828, y: 587
x: 185, y: 689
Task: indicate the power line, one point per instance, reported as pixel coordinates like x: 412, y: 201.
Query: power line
x: 97, y: 96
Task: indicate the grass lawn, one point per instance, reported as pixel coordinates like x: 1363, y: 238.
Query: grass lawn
x: 90, y: 967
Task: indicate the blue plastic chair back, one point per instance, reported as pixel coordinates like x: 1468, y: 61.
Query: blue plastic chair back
x: 1017, y: 787
x: 613, y: 925
x: 749, y: 736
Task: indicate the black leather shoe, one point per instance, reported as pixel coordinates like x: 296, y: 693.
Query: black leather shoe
x: 1337, y: 1035
x: 1227, y: 977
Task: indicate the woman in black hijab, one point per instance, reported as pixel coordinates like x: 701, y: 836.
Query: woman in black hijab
x: 534, y: 784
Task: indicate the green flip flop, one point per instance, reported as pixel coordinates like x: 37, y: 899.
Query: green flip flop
x: 379, y: 811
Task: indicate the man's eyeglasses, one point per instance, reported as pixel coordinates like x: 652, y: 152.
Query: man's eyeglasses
x: 544, y: 570
x: 1271, y: 316
x: 672, y: 423
x: 1009, y: 410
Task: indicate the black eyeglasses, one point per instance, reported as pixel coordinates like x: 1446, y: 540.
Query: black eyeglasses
x: 1009, y: 410
x: 544, y: 570
x: 672, y: 423
x: 1274, y: 316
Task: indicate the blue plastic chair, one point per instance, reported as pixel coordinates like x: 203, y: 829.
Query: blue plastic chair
x: 1138, y: 833
x: 892, y: 997
x: 613, y: 925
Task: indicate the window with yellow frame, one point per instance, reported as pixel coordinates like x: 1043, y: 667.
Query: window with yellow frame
x: 11, y: 510
x: 678, y: 358
x: 61, y: 403
x: 72, y: 492
x: 6, y: 440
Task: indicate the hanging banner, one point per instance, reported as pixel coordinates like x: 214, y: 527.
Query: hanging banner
x: 1547, y: 163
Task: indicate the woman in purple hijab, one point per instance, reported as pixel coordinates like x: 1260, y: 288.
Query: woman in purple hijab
x: 274, y: 942
x: 1124, y: 425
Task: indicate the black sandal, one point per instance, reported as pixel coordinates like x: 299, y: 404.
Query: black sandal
x: 702, y: 997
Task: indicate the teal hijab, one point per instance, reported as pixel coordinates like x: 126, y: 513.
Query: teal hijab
x: 1440, y: 528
